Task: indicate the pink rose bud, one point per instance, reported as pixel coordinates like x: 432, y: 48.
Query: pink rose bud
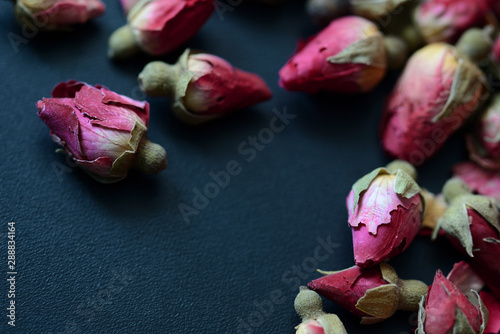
x: 373, y: 294
x: 446, y: 309
x: 447, y: 20
x: 478, y: 179
x: 202, y: 86
x: 309, y: 307
x: 57, y: 14
x: 438, y: 91
x: 385, y: 213
x: 493, y: 305
x: 348, y: 56
x: 105, y: 133
x: 484, y: 143
x: 472, y: 223
x: 159, y: 26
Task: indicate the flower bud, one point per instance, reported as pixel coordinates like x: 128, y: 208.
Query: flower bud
x: 203, y: 86
x: 492, y: 303
x: 447, y: 20
x: 58, y: 14
x: 484, y: 143
x: 159, y: 26
x: 446, y: 309
x: 480, y: 180
x: 104, y: 133
x: 314, y: 321
x: 472, y: 223
x: 373, y: 294
x: 127, y: 5
x: 348, y: 56
x: 435, y: 207
x: 385, y: 213
x: 437, y: 92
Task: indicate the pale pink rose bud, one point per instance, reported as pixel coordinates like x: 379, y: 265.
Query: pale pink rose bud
x: 348, y: 56
x: 482, y: 181
x: 58, y: 14
x: 446, y: 309
x: 159, y: 26
x: 385, y: 213
x: 309, y: 307
x: 439, y: 90
x: 373, y: 294
x: 103, y: 132
x: 202, y: 86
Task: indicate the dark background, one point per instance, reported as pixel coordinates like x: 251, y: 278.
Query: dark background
x: 120, y: 258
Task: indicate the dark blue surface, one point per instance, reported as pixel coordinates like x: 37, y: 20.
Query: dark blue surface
x: 120, y: 258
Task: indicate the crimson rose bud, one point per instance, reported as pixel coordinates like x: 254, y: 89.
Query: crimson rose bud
x: 348, y: 56
x: 104, y: 132
x: 203, y: 86
x: 446, y: 309
x: 374, y: 293
x: 159, y: 26
x: 483, y: 181
x: 385, y: 213
x: 56, y: 14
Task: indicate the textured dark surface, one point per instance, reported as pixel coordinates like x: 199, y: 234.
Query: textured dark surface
x: 120, y: 258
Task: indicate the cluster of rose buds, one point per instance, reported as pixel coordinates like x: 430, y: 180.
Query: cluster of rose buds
x: 202, y: 86
x: 57, y: 14
x: 158, y: 26
x: 349, y: 56
x: 105, y: 133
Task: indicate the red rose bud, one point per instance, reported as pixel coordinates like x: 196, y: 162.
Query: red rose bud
x: 478, y: 179
x: 374, y: 293
x: 58, y: 14
x: 203, y: 86
x: 348, y: 56
x: 493, y: 306
x: 105, y: 133
x: 159, y: 26
x: 446, y: 309
x: 309, y: 307
x: 438, y: 91
x: 484, y: 143
x: 385, y: 213
x: 472, y: 223
x: 447, y: 20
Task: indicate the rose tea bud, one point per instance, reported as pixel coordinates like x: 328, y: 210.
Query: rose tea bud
x: 202, y: 86
x: 438, y: 91
x: 447, y: 20
x: 159, y: 26
x: 309, y: 307
x: 446, y: 309
x: 478, y: 179
x: 57, y: 14
x: 385, y: 213
x: 373, y: 294
x: 484, y: 143
x: 348, y: 56
x: 104, y: 133
x: 472, y: 224
x: 435, y: 207
x: 493, y: 306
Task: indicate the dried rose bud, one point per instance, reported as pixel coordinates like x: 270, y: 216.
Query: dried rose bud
x: 159, y: 26
x: 105, y: 133
x: 385, y: 213
x: 438, y: 91
x: 446, y: 309
x: 373, y: 294
x: 202, y: 86
x: 309, y: 307
x: 472, y: 223
x: 493, y: 305
x: 480, y: 180
x: 348, y: 56
x: 484, y: 143
x: 58, y: 14
x: 435, y: 207
x: 447, y: 20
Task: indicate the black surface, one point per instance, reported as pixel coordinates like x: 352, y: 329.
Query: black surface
x: 120, y: 258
